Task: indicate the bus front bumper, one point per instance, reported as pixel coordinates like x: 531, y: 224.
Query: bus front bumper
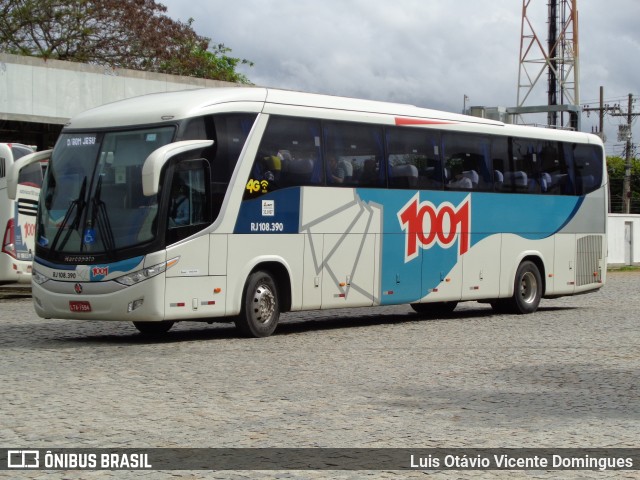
x: 100, y: 300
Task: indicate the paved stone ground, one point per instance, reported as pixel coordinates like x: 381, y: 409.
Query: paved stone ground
x: 567, y: 376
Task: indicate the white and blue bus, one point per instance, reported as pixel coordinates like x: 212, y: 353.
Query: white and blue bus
x: 18, y: 210
x: 239, y: 204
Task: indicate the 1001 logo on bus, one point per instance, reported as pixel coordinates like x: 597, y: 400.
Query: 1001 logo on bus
x: 426, y: 225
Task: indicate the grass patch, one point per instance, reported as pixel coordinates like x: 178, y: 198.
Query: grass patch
x: 624, y: 268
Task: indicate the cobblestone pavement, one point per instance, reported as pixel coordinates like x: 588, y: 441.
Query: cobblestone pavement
x: 567, y: 376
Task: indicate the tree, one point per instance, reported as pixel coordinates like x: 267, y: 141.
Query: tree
x: 133, y: 34
x: 615, y: 169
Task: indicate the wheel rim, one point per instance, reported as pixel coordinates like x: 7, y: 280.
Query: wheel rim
x: 528, y: 287
x: 264, y: 304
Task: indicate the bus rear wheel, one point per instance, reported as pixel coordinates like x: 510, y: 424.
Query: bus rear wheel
x: 154, y: 328
x: 260, y: 310
x: 527, y: 291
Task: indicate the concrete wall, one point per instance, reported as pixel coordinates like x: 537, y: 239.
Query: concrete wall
x: 624, y: 239
x: 53, y: 91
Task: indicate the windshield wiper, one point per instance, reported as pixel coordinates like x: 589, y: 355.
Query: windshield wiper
x: 76, y: 205
x: 102, y: 219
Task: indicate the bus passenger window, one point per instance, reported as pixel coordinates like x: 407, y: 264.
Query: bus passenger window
x: 288, y: 156
x: 524, y: 170
x: 588, y: 167
x: 553, y: 176
x: 354, y: 155
x: 467, y: 162
x: 413, y: 159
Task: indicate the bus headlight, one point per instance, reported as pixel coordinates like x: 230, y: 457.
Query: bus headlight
x: 37, y: 277
x: 146, y: 273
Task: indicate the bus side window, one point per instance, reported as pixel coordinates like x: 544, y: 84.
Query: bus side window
x: 500, y: 155
x: 588, y: 167
x: 288, y: 156
x: 229, y: 133
x: 413, y: 159
x: 553, y: 176
x: 188, y: 205
x: 467, y: 162
x: 524, y: 171
x: 354, y: 155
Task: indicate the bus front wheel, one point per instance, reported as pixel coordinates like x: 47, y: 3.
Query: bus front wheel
x: 260, y: 310
x: 527, y: 291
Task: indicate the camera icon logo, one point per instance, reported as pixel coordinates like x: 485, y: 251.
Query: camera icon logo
x: 23, y: 459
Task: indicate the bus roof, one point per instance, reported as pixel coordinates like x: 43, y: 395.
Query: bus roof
x: 159, y: 107
x: 170, y: 106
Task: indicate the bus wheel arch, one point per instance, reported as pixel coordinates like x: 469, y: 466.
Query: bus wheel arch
x: 283, y: 281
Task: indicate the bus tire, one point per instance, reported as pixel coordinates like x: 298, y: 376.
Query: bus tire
x: 154, y: 328
x: 527, y: 289
x: 434, y: 309
x: 260, y: 310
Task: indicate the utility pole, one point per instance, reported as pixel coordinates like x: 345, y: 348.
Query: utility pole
x: 624, y: 133
x: 602, y: 109
x: 626, y: 185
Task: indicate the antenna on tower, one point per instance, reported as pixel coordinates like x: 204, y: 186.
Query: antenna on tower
x: 558, y: 57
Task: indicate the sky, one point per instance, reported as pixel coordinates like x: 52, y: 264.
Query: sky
x: 429, y: 53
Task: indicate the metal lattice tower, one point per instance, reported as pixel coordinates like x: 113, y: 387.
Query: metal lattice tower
x: 554, y: 61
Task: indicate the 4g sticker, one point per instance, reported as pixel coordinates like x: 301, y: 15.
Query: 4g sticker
x: 255, y: 186
x: 426, y: 224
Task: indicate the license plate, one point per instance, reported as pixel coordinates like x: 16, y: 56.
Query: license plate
x: 80, y: 306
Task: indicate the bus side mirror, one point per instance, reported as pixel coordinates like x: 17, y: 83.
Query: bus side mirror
x: 13, y: 170
x: 156, y: 160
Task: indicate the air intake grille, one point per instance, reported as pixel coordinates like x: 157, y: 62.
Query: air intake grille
x: 589, y: 257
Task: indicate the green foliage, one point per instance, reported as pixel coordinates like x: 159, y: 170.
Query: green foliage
x: 133, y: 34
x: 213, y: 63
x: 616, y: 167
x: 616, y: 170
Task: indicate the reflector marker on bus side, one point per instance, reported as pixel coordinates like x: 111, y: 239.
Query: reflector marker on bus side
x: 179, y: 304
x: 421, y: 121
x: 208, y: 302
x: 172, y: 262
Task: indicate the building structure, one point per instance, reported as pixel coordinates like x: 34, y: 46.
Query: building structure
x: 37, y: 96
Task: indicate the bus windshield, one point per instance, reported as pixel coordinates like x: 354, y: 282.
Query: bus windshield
x: 92, y: 200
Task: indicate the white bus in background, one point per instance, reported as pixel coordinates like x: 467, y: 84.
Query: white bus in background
x: 239, y: 204
x: 18, y: 215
